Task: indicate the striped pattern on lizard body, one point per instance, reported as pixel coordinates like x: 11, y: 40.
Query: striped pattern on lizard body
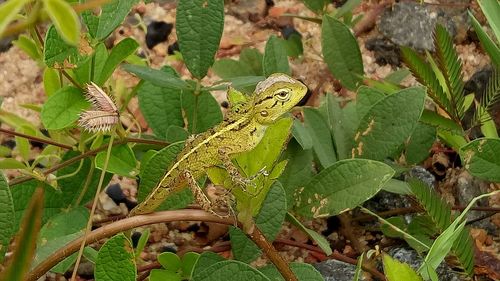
x: 240, y: 132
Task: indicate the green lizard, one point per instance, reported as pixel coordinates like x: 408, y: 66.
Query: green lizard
x: 241, y: 131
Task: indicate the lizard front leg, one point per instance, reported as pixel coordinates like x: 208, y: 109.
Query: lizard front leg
x: 201, y: 198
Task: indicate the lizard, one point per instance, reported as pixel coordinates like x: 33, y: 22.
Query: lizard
x: 240, y: 131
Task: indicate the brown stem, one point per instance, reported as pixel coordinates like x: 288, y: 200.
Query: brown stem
x: 147, y: 141
x: 70, y: 79
x: 119, y: 226
x: 32, y: 138
x: 272, y: 254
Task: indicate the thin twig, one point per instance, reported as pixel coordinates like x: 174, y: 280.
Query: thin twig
x: 272, y: 254
x: 32, y: 138
x: 119, y: 226
x: 148, y: 141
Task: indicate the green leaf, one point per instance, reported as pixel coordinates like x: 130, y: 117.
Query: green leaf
x: 420, y: 143
x: 155, y: 170
x: 388, y: 124
x: 397, y: 186
x: 199, y: 25
x: 121, y: 161
x: 22, y: 144
x: 342, y: 186
x: 154, y: 99
x: 176, y: 134
x: 164, y: 275
x: 7, y: 216
x: 341, y: 52
x: 205, y: 260
x: 298, y: 171
x: 202, y: 111
x: 339, y: 126
x: 395, y: 270
x: 451, y: 67
x: 58, y: 232
x: 120, y: 52
x: 56, y: 49
x: 157, y: 77
x: 230, y: 270
x: 189, y: 260
x: 424, y: 74
x: 112, y: 15
x: 11, y: 163
x: 317, y: 6
x: 91, y: 21
x: 480, y: 158
x: 62, y: 109
x: 141, y: 244
x: 397, y: 76
x: 489, y: 45
x: 20, y: 261
x: 275, y: 58
x: 115, y: 261
x: 100, y: 57
x: 242, y: 247
x: 491, y: 10
x: 346, y: 8
x: 72, y: 186
x: 252, y: 60
x: 301, y: 135
x: 8, y: 11
x: 51, y: 82
x: 303, y: 272
x: 28, y: 45
x: 318, y: 238
x: 321, y: 137
x: 65, y: 20
x: 169, y: 261
x: 272, y: 213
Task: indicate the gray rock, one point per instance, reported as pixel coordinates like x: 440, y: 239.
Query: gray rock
x: 334, y: 270
x: 422, y: 174
x: 411, y: 257
x: 412, y: 24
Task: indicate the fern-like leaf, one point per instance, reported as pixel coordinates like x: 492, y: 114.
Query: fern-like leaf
x: 440, y: 213
x: 424, y: 74
x: 451, y: 67
x: 489, y: 99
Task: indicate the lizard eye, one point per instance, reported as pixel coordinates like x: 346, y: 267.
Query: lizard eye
x: 282, y: 94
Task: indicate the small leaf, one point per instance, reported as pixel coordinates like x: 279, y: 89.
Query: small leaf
x: 20, y: 261
x: 420, y: 143
x: 275, y: 58
x: 51, y: 82
x: 481, y: 158
x: 141, y: 244
x: 7, y: 216
x: 320, y: 134
x: 28, y: 45
x: 199, y: 25
x: 8, y: 11
x: 318, y: 238
x: 342, y: 186
x: 489, y: 45
x: 157, y: 77
x: 112, y: 15
x: 395, y: 270
x: 341, y: 52
x: 272, y: 213
x: 163, y: 275
x: 301, y: 135
x: 56, y: 50
x: 189, y: 260
x: 491, y: 10
x: 91, y: 21
x: 202, y: 111
x: 62, y: 109
x: 205, y: 260
x: 317, y: 6
x: 65, y: 20
x: 120, y: 52
x: 242, y: 247
x: 169, y: 261
x: 121, y: 161
x: 115, y: 261
x: 11, y: 163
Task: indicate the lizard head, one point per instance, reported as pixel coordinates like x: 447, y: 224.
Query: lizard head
x: 275, y: 96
